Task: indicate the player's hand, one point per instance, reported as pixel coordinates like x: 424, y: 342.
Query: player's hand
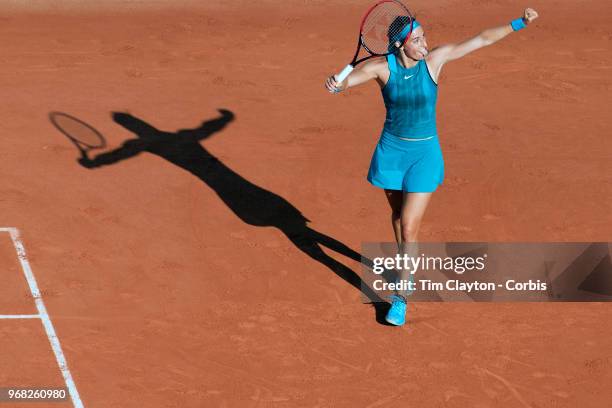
x: 332, y: 85
x: 530, y: 15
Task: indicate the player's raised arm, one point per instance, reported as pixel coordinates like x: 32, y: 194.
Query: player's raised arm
x: 450, y: 52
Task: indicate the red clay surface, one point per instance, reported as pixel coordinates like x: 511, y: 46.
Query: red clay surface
x: 169, y: 289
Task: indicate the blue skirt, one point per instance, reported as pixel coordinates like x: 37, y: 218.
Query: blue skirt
x: 407, y: 165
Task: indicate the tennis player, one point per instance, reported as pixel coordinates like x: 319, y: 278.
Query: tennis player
x: 407, y: 161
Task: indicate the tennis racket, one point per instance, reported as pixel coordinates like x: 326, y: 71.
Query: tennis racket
x: 81, y: 134
x: 380, y: 29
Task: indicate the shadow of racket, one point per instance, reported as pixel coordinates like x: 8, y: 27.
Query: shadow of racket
x: 84, y: 136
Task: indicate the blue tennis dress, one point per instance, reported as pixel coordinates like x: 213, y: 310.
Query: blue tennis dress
x: 410, y: 97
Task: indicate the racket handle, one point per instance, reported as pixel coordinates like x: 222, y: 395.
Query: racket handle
x: 345, y: 72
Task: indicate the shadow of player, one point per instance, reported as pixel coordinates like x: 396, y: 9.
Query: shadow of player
x: 252, y: 204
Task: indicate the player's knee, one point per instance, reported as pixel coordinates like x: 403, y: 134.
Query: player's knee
x: 410, y: 228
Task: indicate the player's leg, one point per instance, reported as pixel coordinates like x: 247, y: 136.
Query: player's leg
x: 412, y: 212
x: 396, y: 198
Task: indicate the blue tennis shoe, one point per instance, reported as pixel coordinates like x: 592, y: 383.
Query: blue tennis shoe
x: 397, y: 313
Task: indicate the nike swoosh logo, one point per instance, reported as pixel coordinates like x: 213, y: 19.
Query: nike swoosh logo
x: 408, y: 77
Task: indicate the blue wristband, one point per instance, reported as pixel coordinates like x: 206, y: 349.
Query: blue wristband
x: 518, y: 24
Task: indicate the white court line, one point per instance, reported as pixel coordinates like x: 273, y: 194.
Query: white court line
x: 44, y: 317
x: 19, y: 316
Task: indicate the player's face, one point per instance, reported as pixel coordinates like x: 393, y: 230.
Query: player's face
x: 416, y: 46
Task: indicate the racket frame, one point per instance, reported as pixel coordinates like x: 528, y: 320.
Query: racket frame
x: 360, y: 43
x: 79, y: 144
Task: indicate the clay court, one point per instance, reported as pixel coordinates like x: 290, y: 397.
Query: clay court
x: 231, y: 282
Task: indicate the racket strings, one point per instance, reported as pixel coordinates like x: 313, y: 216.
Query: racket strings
x: 382, y: 26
